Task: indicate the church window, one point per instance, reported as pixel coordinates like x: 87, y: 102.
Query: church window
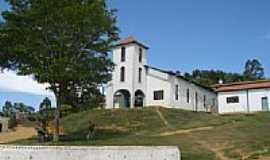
x: 140, y: 54
x: 140, y: 75
x: 176, y: 92
x: 123, y: 54
x: 122, y: 74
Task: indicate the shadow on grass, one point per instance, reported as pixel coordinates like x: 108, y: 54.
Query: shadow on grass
x: 77, y: 138
x: 100, y: 134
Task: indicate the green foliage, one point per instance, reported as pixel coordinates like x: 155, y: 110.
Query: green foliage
x: 45, y: 113
x: 44, y: 116
x: 12, y: 120
x: 60, y: 42
x: 8, y: 109
x: 253, y: 71
x: 66, y: 110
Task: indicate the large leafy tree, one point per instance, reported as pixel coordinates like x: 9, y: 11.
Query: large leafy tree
x: 60, y: 42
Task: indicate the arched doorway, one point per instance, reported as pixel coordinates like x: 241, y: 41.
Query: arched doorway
x: 139, y: 98
x: 121, y: 99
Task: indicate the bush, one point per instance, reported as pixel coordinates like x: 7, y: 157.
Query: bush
x: 12, y: 121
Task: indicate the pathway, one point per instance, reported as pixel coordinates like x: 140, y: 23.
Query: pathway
x: 18, y: 133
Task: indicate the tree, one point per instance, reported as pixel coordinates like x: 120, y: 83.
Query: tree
x: 44, y: 116
x: 8, y: 109
x: 253, y: 70
x: 20, y: 107
x: 46, y: 104
x: 63, y: 43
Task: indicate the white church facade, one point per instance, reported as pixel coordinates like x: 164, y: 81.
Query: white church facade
x: 136, y: 84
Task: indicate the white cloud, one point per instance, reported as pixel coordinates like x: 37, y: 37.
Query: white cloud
x: 9, y: 81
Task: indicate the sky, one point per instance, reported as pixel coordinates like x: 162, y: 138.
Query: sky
x: 205, y: 34
x: 182, y: 35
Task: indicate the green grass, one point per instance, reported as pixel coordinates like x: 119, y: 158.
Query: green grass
x: 237, y: 136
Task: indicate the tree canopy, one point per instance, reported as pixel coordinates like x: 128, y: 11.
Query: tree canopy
x: 253, y: 70
x: 60, y: 42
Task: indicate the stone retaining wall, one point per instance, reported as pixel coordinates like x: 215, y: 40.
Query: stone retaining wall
x: 88, y: 153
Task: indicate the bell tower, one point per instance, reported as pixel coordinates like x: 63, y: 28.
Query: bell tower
x: 129, y: 75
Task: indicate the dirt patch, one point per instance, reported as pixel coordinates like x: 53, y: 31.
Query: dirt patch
x: 263, y: 158
x: 18, y: 133
x: 163, y: 119
x: 185, y: 131
x: 112, y: 127
x: 217, y: 149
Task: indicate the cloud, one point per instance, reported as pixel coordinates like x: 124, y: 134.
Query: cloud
x: 10, y: 82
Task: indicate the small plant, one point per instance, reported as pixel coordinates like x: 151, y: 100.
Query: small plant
x: 91, y: 130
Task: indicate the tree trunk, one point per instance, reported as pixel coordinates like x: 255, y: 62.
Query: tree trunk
x: 57, y: 120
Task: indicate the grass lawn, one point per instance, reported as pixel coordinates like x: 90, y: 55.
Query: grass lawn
x: 237, y: 136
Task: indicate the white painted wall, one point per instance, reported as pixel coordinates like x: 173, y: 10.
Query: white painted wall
x: 156, y: 81
x: 89, y: 153
x: 224, y: 107
x: 132, y: 66
x: 249, y: 101
x: 182, y: 92
x: 255, y: 99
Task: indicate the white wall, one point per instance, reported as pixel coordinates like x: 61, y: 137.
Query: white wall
x: 224, y: 107
x: 255, y: 98
x: 89, y: 153
x: 182, y: 92
x: 132, y: 66
x: 156, y: 81
x: 249, y: 101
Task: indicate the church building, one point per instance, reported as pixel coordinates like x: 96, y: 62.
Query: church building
x: 137, y: 84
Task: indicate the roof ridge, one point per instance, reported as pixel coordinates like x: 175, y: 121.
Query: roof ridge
x: 130, y: 39
x: 242, y: 83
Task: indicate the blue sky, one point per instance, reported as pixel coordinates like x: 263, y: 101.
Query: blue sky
x: 188, y: 34
x: 206, y: 34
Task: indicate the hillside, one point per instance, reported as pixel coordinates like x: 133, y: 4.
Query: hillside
x: 200, y: 136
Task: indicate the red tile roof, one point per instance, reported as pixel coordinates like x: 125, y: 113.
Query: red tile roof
x: 129, y: 40
x: 242, y: 86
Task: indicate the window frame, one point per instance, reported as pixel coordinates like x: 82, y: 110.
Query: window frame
x: 122, y: 74
x: 204, y: 101
x: 140, y: 75
x: 188, y: 95
x: 176, y: 92
x: 232, y: 100
x: 140, y: 54
x: 158, y: 95
x: 123, y: 54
